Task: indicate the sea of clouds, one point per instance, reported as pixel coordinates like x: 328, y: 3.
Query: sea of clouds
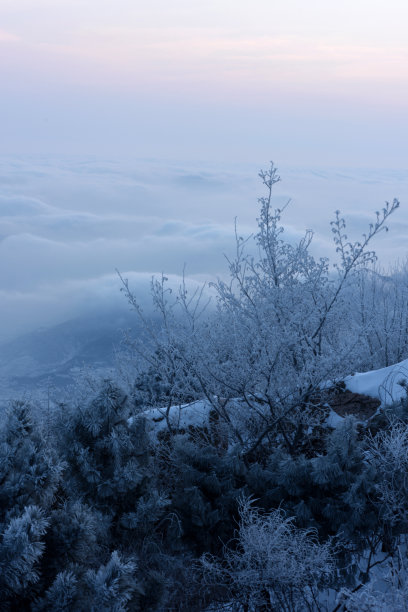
x: 68, y: 223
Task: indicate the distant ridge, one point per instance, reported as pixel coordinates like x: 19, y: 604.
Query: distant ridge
x: 53, y: 356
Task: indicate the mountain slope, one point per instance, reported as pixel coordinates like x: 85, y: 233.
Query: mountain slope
x: 54, y: 355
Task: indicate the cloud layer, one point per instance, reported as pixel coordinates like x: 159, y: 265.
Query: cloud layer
x: 67, y: 224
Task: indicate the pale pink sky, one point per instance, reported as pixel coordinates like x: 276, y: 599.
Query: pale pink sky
x: 298, y: 81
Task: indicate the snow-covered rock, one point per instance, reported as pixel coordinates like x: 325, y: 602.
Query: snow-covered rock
x: 382, y: 384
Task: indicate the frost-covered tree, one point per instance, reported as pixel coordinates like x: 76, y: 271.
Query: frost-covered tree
x: 281, y: 328
x: 164, y: 375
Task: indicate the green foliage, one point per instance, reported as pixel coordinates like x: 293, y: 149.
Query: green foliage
x: 110, y: 588
x: 107, y: 455
x: 205, y: 486
x: 126, y: 525
x: 78, y: 535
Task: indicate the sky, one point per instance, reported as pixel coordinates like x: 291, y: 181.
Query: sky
x: 316, y: 81
x: 132, y: 133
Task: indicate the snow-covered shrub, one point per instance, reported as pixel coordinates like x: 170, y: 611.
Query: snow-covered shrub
x: 61, y: 596
x: 274, y: 565
x: 78, y: 535
x: 107, y: 456
x: 112, y: 585
x: 30, y: 469
x: 388, y: 454
x: 111, y: 502
x: 381, y: 308
x: 109, y: 588
x: 21, y: 548
x: 331, y: 491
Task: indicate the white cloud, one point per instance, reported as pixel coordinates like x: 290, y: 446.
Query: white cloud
x: 65, y: 225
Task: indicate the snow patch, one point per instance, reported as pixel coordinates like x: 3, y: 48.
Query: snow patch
x: 196, y: 414
x: 383, y: 384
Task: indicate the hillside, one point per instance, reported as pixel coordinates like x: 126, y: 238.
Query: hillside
x: 53, y: 356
